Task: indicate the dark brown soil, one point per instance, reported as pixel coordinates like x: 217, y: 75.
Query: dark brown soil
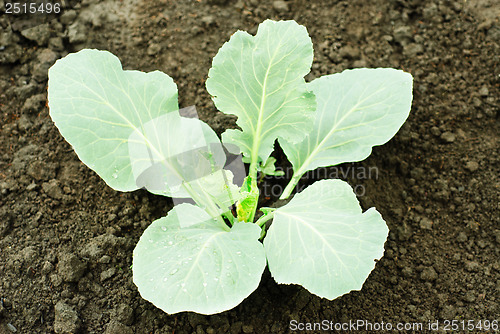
x: 66, y: 239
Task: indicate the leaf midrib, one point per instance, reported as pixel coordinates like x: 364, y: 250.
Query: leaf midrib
x: 334, y: 129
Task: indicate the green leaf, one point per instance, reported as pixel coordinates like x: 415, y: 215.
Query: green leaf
x: 260, y: 79
x: 171, y: 150
x: 322, y: 240
x: 96, y: 107
x: 357, y: 109
x: 125, y: 125
x: 270, y: 169
x: 198, y: 267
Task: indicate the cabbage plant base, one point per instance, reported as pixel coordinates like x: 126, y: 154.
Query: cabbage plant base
x: 125, y: 125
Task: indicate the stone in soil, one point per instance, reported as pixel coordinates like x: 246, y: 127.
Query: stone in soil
x: 115, y: 327
x: 281, y: 6
x: 471, y: 166
x: 46, y: 58
x: 448, y: 137
x: 66, y: 319
x: 70, y: 268
x: 52, y: 189
x: 39, y: 34
x: 429, y: 274
x: 107, y: 274
x: 425, y: 224
x: 123, y: 314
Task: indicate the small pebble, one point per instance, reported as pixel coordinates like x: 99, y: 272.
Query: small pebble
x: 428, y: 274
x: 471, y: 266
x: 471, y: 166
x: 448, y: 312
x: 153, y: 49
x: 247, y: 328
x: 349, y: 52
x: 407, y: 271
x: 470, y: 296
x: 39, y: 34
x: 281, y: 6
x: 105, y: 259
x: 425, y: 224
x: 70, y: 268
x: 108, y: 274
x: 462, y: 237
x: 11, y: 328
x: 208, y: 20
x: 52, y: 189
x: 359, y: 63
x: 448, y: 137
x: 68, y: 16
x: 435, y: 131
x: 413, y: 49
x: 115, y: 327
x: 484, y: 91
x: 66, y: 319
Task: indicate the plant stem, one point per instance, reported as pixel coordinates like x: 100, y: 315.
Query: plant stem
x: 262, y: 220
x: 254, y: 192
x: 291, y: 185
x: 249, y: 213
x: 209, y: 205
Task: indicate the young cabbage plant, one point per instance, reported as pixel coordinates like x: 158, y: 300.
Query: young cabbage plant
x: 205, y: 256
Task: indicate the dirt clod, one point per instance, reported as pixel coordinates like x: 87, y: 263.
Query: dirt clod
x: 70, y: 268
x: 429, y: 274
x: 448, y: 137
x: 471, y: 166
x: 281, y: 6
x: 115, y: 327
x: 123, y: 313
x: 66, y: 319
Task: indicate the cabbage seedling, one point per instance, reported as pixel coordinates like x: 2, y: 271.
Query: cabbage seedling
x: 207, y: 257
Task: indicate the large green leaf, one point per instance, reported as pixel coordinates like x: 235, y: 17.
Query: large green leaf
x: 200, y: 266
x: 260, y: 79
x: 357, y: 109
x: 125, y: 125
x: 322, y: 240
x: 96, y: 107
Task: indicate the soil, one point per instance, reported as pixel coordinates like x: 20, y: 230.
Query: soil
x: 66, y: 238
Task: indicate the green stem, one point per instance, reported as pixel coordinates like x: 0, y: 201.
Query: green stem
x: 254, y: 192
x: 291, y: 185
x: 252, y: 200
x: 209, y: 205
x: 262, y: 220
